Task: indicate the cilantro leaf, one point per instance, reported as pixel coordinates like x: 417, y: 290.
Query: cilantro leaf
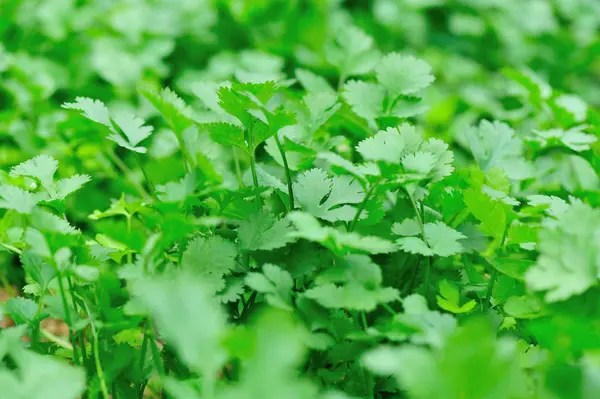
x: 327, y: 198
x: 495, y: 145
x: 308, y: 228
x: 440, y: 239
x: 211, y: 259
x: 403, y: 74
x: 262, y: 231
x: 12, y: 197
x: 276, y: 283
x: 568, y: 264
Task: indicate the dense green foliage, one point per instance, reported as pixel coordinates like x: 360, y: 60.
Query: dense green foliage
x: 304, y: 199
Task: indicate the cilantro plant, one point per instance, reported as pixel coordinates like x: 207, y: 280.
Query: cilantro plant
x: 269, y: 199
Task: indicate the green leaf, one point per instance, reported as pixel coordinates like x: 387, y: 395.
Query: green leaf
x: 440, y: 239
x: 495, y: 145
x: 568, y: 263
x: 351, y: 296
x: 42, y: 168
x: 211, y: 259
x: 262, y: 231
x: 328, y: 198
x: 186, y: 300
x: 403, y: 74
x: 449, y: 299
x: 340, y: 242
x: 491, y: 368
x: 490, y: 213
x: 39, y: 270
x: 41, y: 377
x: 227, y: 134
x: 365, y: 99
x: 21, y: 310
x: 94, y: 110
x: 133, y: 129
x: 172, y: 108
x: 352, y: 52
x: 12, y: 197
x: 276, y: 283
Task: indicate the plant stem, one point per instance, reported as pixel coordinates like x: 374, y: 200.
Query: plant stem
x: 494, y: 276
x: 12, y: 249
x: 361, y: 208
x: 427, y: 276
x: 488, y: 295
x: 154, y: 347
x: 96, y: 350
x: 238, y: 170
x: 72, y: 293
x: 148, y: 181
x: 288, y: 174
x: 245, y: 311
x: 67, y: 311
x: 126, y: 171
x: 363, y: 319
x: 389, y: 309
x: 253, y: 163
x: 57, y: 340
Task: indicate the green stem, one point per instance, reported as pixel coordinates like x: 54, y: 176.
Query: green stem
x: 57, y: 340
x: 361, y: 208
x: 148, y: 181
x: 363, y: 319
x: 238, y: 170
x: 188, y: 160
x: 488, y: 295
x: 96, y: 350
x: 126, y: 171
x: 154, y: 348
x: 389, y: 309
x: 253, y: 162
x: 246, y: 310
x: 129, y: 254
x: 68, y: 320
x: 72, y: 294
x: 288, y: 174
x: 427, y: 276
x: 494, y: 276
x: 11, y: 248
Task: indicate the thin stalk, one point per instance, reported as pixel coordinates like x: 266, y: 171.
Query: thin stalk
x: 341, y: 81
x: 126, y: 171
x: 82, y: 344
x: 488, y: 295
x: 288, y: 174
x: 238, y: 169
x: 363, y: 319
x: 369, y: 383
x: 420, y: 213
x: 12, y: 249
x: 142, y: 361
x: 253, y: 162
x: 148, y: 181
x: 154, y: 348
x: 494, y: 276
x: 68, y: 320
x: 96, y: 350
x: 188, y: 160
x: 389, y: 309
x: 129, y: 254
x: 361, y: 208
x: 35, y: 336
x: 245, y: 311
x: 57, y: 340
x: 427, y: 276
